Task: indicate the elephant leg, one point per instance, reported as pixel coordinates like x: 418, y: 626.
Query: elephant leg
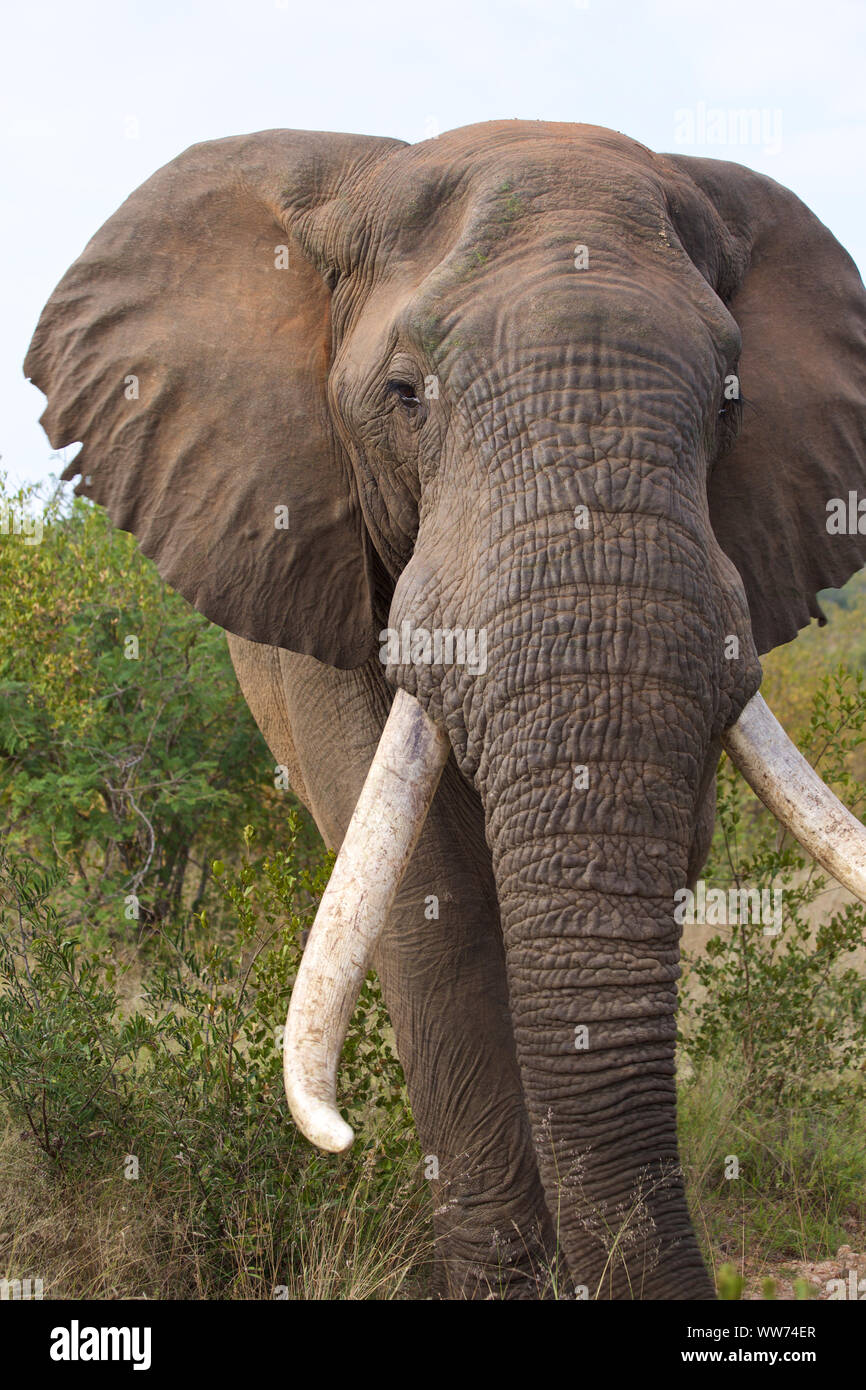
x: 442, y: 968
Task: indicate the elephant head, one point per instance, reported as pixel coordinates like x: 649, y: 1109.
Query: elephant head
x: 356, y: 395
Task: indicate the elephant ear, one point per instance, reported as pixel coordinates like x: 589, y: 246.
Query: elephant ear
x: 190, y: 354
x: 801, y: 309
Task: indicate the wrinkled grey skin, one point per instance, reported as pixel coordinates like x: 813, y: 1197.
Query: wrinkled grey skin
x: 559, y: 389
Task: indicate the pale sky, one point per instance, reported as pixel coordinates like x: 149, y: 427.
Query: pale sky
x: 96, y: 95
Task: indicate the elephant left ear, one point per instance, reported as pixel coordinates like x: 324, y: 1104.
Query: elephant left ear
x: 188, y: 349
x: 776, y: 497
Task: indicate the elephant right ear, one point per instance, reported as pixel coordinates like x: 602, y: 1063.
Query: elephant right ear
x: 800, y: 305
x: 188, y: 349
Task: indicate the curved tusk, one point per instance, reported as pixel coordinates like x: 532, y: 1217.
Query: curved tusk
x: 775, y: 768
x: 382, y: 834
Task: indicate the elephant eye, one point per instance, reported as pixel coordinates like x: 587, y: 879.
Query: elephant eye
x: 405, y: 391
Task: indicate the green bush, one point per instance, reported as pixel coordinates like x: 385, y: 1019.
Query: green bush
x: 791, y: 1007
x: 184, y: 1090
x: 773, y: 1032
x: 770, y: 1180
x: 126, y: 747
x: 147, y: 951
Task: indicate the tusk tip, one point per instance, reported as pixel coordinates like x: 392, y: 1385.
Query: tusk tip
x: 322, y: 1124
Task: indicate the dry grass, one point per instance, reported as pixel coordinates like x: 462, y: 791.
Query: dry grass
x: 90, y: 1234
x: 83, y: 1239
x: 96, y: 1236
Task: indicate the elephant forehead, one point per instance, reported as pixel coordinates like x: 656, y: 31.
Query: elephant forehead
x: 461, y: 229
x: 511, y: 168
x: 506, y: 285
x: 518, y: 213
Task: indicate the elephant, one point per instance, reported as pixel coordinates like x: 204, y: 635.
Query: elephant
x: 501, y: 458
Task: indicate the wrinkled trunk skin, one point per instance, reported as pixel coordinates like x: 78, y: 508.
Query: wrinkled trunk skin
x: 586, y: 883
x: 591, y: 767
x: 591, y: 739
x: 586, y: 865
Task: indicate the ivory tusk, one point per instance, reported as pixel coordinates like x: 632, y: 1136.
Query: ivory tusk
x: 379, y: 842
x: 776, y: 770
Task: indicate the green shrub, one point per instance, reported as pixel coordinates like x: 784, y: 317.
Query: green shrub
x: 770, y: 1180
x: 126, y: 747
x: 184, y: 1091
x: 773, y: 1039
x: 791, y: 1005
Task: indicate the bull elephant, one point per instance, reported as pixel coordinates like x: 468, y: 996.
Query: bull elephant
x: 449, y: 438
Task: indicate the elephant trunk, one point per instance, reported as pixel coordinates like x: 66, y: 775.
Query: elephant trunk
x: 590, y: 837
